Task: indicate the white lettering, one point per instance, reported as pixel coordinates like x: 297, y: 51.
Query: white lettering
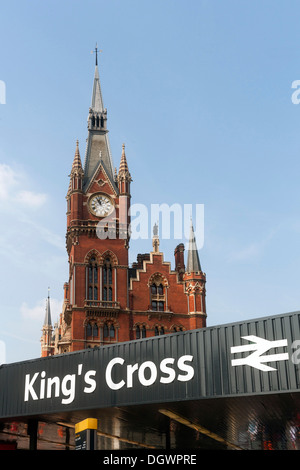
x: 147, y: 372
x: 2, y: 92
x: 50, y: 382
x: 176, y: 459
x: 130, y: 370
x: 42, y: 387
x: 91, y: 382
x: 167, y: 370
x: 185, y: 368
x: 50, y: 387
x: 153, y: 373
x: 295, y: 96
x: 110, y: 383
x: 29, y: 387
x: 68, y: 392
x: 296, y: 354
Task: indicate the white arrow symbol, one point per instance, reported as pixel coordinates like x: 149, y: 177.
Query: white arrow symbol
x: 259, y: 347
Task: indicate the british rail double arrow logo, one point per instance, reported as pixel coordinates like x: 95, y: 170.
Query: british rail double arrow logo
x: 258, y: 358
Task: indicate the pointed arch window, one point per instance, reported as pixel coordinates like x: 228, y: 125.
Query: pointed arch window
x: 107, y: 290
x: 91, y: 330
x: 157, y: 294
x: 88, y: 329
x: 138, y: 332
x: 105, y: 330
x: 93, y: 279
x: 95, y: 330
x: 109, y: 332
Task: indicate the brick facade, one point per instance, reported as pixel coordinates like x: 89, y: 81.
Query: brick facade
x: 105, y: 299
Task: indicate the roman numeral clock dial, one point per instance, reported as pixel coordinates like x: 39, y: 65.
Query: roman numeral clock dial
x: 101, y: 205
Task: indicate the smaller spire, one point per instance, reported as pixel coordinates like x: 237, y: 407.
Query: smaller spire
x: 47, y: 320
x: 123, y: 163
x: 193, y: 261
x: 77, y: 166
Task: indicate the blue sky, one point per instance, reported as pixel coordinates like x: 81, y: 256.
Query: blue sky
x: 200, y: 93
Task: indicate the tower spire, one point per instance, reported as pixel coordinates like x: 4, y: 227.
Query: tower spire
x: 47, y: 320
x: 97, y: 101
x: 97, y: 135
x: 193, y: 261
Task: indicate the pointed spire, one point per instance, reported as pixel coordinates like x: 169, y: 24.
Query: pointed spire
x: 97, y: 137
x: 124, y: 178
x: 47, y: 320
x: 123, y: 163
x: 97, y: 101
x: 77, y: 166
x: 193, y: 261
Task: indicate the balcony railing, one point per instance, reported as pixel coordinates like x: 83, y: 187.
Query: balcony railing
x: 102, y: 304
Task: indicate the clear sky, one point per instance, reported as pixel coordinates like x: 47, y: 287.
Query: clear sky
x: 201, y: 94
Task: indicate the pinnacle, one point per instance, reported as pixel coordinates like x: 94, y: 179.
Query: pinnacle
x: 123, y: 164
x: 193, y: 262
x: 77, y: 161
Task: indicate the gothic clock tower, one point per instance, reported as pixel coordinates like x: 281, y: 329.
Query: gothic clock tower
x: 97, y: 239
x: 105, y: 300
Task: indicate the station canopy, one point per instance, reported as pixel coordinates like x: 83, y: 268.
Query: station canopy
x: 233, y: 386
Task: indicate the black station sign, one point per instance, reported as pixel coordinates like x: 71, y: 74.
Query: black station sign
x: 258, y: 356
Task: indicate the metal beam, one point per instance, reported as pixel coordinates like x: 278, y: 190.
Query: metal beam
x: 198, y: 427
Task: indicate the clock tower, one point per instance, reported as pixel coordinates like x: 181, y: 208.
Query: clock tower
x: 106, y: 300
x: 97, y: 239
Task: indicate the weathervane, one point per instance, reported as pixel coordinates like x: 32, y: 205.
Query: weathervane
x: 96, y: 52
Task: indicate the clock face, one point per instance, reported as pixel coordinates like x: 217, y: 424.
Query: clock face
x: 101, y: 205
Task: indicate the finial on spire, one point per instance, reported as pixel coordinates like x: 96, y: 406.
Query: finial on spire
x: 96, y: 52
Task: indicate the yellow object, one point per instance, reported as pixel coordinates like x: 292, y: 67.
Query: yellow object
x: 89, y: 423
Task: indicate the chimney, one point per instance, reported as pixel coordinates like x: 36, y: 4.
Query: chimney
x: 179, y: 260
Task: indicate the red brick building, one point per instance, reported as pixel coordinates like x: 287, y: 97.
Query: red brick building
x: 105, y: 299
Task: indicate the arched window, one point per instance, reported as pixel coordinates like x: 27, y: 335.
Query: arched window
x: 153, y: 289
x: 89, y: 329
x: 109, y: 332
x: 160, y: 289
x: 107, y: 292
x: 157, y: 293
x: 156, y: 332
x: 105, y: 330
x: 93, y: 279
x: 95, y: 330
x: 138, y: 332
